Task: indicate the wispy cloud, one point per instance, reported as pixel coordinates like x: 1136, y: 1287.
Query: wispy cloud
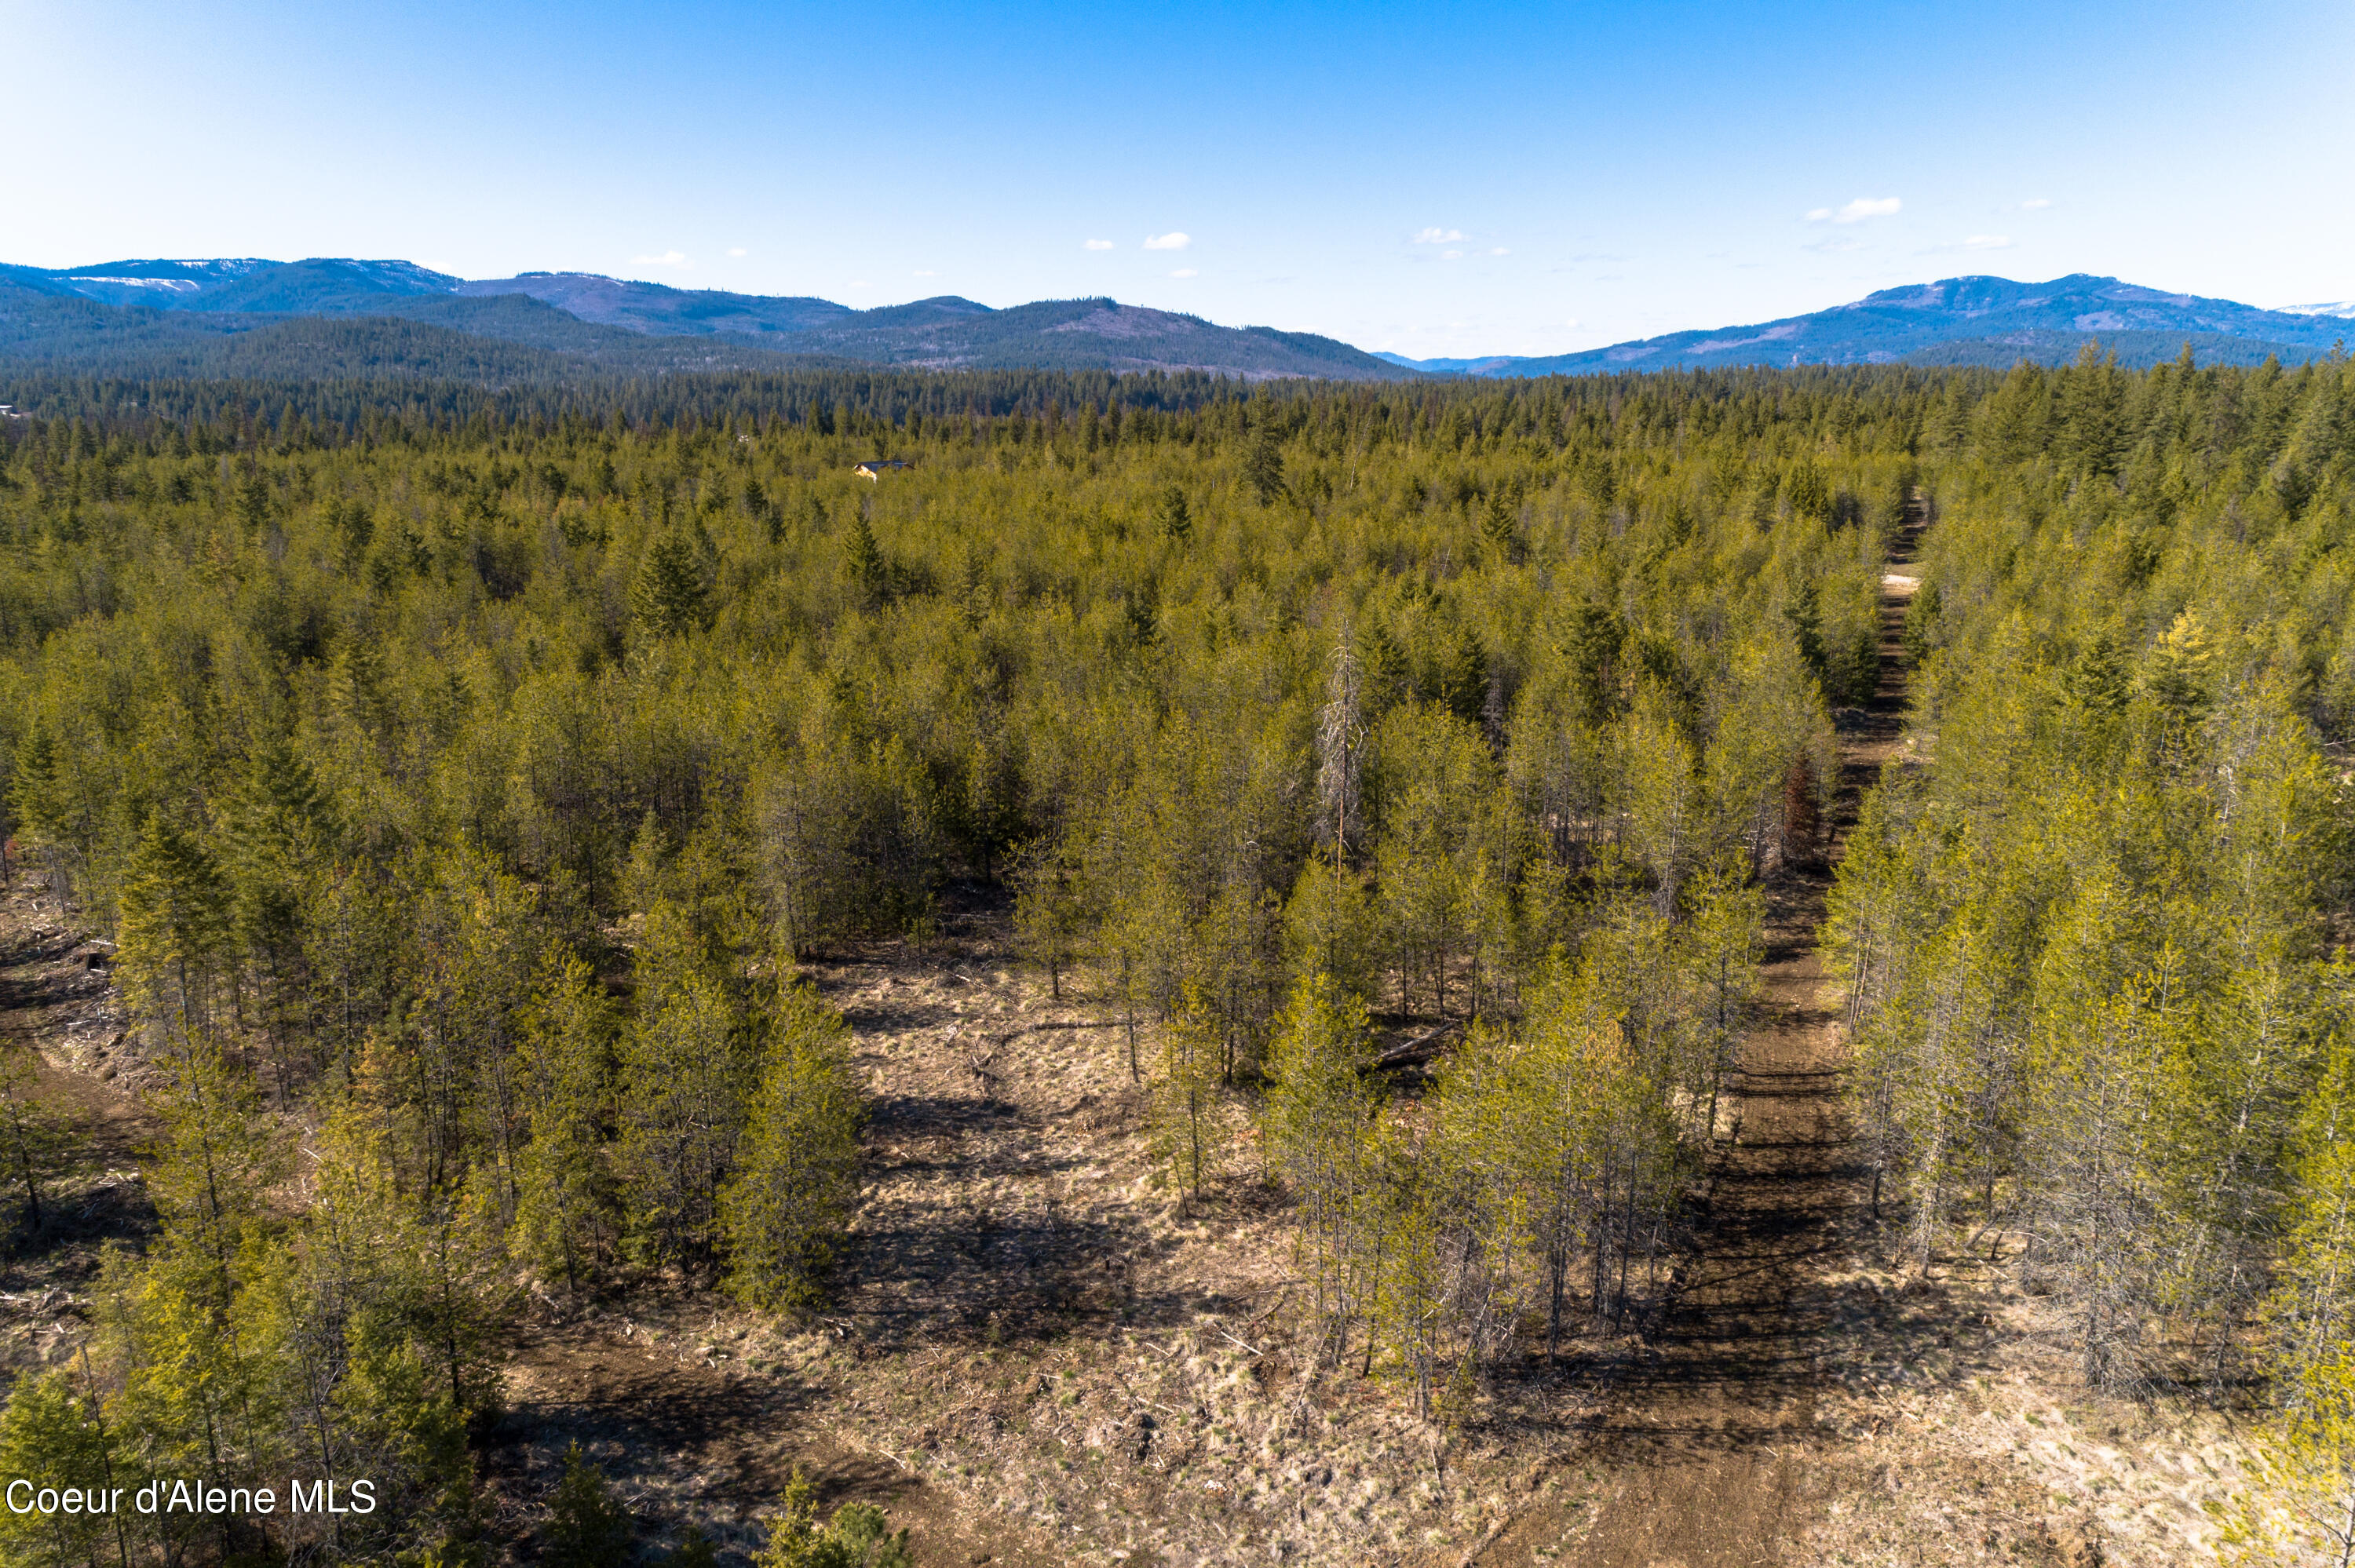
x: 737, y: 251
x: 1500, y: 251
x: 1439, y: 236
x: 1987, y: 242
x: 1856, y: 211
x: 1841, y: 243
x: 1185, y: 272
x: 2036, y: 204
x: 1176, y: 240
x: 667, y: 259
x: 926, y: 273
x: 1097, y: 245
x: 1451, y: 256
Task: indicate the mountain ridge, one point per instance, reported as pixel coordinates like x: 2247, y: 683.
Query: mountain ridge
x: 1972, y: 320
x: 184, y: 315
x: 196, y: 304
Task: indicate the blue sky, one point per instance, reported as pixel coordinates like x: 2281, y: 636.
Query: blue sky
x: 1433, y: 179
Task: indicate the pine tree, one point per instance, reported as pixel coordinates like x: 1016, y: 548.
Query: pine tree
x: 1263, y: 465
x: 568, y: 1205
x: 220, y: 1155
x: 669, y: 597
x: 2299, y: 1504
x: 174, y: 931
x: 1177, y: 521
x: 1500, y: 528
x: 52, y: 1438
x: 859, y: 1535
x: 1186, y: 1108
x: 863, y: 559
x: 788, y: 1202
x: 31, y: 1141
x: 279, y: 832
x: 685, y: 1078
x: 1048, y: 912
x: 1316, y: 1124
x: 1330, y: 929
x: 587, y: 1526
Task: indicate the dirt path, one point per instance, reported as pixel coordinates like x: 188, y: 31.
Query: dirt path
x: 61, y: 1025
x: 1710, y: 1454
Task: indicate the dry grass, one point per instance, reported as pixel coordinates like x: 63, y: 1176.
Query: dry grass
x: 1966, y: 1436
x: 1040, y: 1325
x: 1038, y: 1354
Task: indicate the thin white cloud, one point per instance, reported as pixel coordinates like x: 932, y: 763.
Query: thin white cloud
x: 1987, y: 242
x: 926, y: 273
x: 1571, y: 323
x: 1856, y: 211
x: 1176, y: 240
x: 736, y: 250
x: 667, y: 259
x: 1097, y: 245
x: 1451, y: 256
x: 1185, y: 272
x: 1841, y: 243
x: 1500, y: 251
x: 2036, y: 204
x: 1439, y: 236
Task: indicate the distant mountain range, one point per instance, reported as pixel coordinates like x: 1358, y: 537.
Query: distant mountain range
x: 336, y: 317
x: 236, y: 316
x: 1964, y: 320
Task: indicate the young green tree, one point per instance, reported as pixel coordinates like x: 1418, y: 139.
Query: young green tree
x: 2301, y: 1505
x: 695, y: 1550
x: 1316, y: 1124
x: 175, y: 927
x: 1049, y: 911
x: 1331, y: 930
x: 31, y: 1142
x: 1720, y: 949
x: 1186, y: 1110
x: 587, y: 1526
x: 568, y: 1206
x: 858, y: 1535
x: 52, y: 1438
x: 685, y: 1074
x: 668, y: 596
x: 1176, y: 521
x: 786, y: 1205
x: 1263, y: 465
x: 220, y: 1155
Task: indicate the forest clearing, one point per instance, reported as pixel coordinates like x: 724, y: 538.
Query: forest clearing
x: 1689, y: 969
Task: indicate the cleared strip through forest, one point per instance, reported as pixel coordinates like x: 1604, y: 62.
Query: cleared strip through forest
x: 1711, y: 1431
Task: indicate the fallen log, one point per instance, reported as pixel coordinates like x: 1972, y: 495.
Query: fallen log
x: 1414, y: 1053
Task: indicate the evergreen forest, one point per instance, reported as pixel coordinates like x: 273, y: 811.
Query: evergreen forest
x: 465, y: 779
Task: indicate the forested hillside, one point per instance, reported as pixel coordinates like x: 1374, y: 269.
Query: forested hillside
x: 334, y: 319
x: 464, y: 778
x: 1980, y: 321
